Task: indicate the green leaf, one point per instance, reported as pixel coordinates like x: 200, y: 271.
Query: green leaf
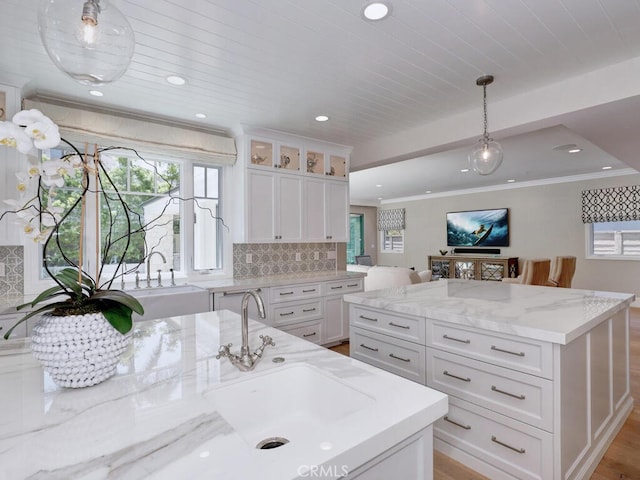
x: 120, y: 297
x: 44, y: 308
x: 48, y: 293
x: 118, y: 315
x: 72, y: 274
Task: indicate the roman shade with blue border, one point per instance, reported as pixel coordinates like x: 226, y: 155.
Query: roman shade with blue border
x: 616, y: 204
x: 391, y: 219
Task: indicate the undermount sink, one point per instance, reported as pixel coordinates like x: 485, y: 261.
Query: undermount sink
x: 288, y: 402
x: 160, y: 302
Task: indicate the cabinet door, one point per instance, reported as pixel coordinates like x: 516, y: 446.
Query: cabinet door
x: 261, y: 206
x: 314, y: 209
x: 337, y: 211
x: 289, y: 208
x: 336, y: 320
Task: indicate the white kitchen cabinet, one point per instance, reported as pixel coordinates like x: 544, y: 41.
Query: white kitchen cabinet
x: 326, y: 210
x: 274, y: 202
x: 336, y: 311
x: 232, y: 300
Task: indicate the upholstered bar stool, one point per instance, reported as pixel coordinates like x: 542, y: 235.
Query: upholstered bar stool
x: 562, y: 272
x: 534, y: 272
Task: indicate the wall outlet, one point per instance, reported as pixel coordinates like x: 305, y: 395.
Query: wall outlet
x: 298, y: 257
x: 2, y: 272
x: 249, y: 258
x: 316, y: 255
x: 331, y: 255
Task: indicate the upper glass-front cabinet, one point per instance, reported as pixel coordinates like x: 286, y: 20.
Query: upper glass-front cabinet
x: 262, y: 153
x: 297, y: 157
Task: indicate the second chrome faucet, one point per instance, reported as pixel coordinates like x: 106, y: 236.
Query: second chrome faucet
x: 164, y: 260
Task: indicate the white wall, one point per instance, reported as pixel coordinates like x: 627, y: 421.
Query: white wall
x: 545, y: 221
x: 370, y: 229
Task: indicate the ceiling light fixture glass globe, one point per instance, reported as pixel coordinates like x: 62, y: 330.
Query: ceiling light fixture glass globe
x: 486, y: 156
x: 92, y: 42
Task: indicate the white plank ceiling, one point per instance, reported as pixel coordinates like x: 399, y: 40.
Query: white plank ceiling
x: 279, y: 63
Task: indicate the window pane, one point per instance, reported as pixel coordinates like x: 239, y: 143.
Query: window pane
x: 198, y: 181
x: 212, y: 183
x: 206, y: 253
x: 616, y: 238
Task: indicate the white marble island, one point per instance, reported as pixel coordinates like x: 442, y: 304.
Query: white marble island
x: 170, y: 412
x: 537, y: 377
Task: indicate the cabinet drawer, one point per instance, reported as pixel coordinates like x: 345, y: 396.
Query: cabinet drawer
x: 340, y: 287
x: 296, y: 312
x: 311, y: 331
x: 517, y: 395
x: 295, y: 292
x: 520, y: 354
x: 391, y: 354
x: 401, y: 326
x: 518, y: 449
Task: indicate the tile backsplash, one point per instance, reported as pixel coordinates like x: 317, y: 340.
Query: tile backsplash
x: 279, y: 258
x: 12, y: 284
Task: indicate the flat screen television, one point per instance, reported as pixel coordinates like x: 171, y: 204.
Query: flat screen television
x: 478, y: 228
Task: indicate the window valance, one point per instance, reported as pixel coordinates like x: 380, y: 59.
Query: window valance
x: 611, y: 204
x: 149, y: 136
x: 391, y: 219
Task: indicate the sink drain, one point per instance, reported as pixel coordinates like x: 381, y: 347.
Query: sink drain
x: 272, y: 442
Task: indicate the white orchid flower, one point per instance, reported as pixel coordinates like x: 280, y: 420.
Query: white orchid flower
x: 45, y: 134
x: 25, y: 212
x: 34, y: 171
x: 23, y: 180
x: 12, y: 135
x: 51, y: 216
x: 28, y: 117
x: 54, y: 171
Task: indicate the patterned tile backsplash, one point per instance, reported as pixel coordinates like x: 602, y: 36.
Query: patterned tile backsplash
x: 12, y: 284
x: 279, y: 258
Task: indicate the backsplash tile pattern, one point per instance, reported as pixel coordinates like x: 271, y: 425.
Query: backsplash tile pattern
x: 280, y: 258
x: 12, y: 284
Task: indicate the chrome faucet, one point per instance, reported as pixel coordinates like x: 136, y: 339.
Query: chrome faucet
x: 164, y: 260
x: 246, y: 361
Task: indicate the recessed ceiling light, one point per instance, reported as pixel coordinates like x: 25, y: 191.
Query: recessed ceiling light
x: 176, y: 80
x: 375, y: 11
x: 379, y: 198
x: 569, y: 148
x: 322, y: 118
x: 428, y: 191
x: 575, y: 150
x: 607, y: 168
x: 511, y: 180
x: 201, y: 115
x: 464, y: 170
x: 96, y: 93
x: 378, y: 185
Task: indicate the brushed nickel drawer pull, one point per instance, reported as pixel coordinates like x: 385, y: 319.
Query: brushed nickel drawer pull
x: 286, y: 293
x: 309, y: 291
x: 447, y: 337
x: 464, y: 379
x: 519, y: 354
x: 400, y: 358
x: 352, y: 285
x: 368, y: 347
x: 337, y: 288
x: 368, y: 318
x: 399, y: 326
x: 495, y: 389
x: 308, y: 310
x: 447, y: 419
x: 305, y: 335
x: 518, y: 450
x: 286, y: 314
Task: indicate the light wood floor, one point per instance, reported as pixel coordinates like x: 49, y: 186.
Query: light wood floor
x: 622, y: 459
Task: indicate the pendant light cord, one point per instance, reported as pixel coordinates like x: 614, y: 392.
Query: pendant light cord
x: 484, y: 105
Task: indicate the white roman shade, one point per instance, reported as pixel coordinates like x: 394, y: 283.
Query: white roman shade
x: 611, y: 204
x: 391, y: 219
x: 111, y: 129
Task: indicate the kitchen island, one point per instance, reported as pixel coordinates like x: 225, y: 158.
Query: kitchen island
x: 174, y: 411
x: 537, y: 377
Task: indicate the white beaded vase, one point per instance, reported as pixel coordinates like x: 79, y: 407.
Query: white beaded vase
x: 78, y: 350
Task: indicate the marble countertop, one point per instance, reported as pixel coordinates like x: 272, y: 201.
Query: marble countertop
x: 153, y: 419
x: 557, y: 315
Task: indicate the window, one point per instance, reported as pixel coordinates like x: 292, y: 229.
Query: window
x: 355, y: 247
x: 207, y: 246
x: 152, y: 187
x: 614, y: 239
x: 392, y: 241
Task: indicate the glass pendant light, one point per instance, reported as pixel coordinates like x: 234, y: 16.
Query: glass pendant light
x: 92, y: 42
x: 486, y: 156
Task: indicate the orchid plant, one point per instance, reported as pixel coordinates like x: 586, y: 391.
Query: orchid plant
x: 28, y: 132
